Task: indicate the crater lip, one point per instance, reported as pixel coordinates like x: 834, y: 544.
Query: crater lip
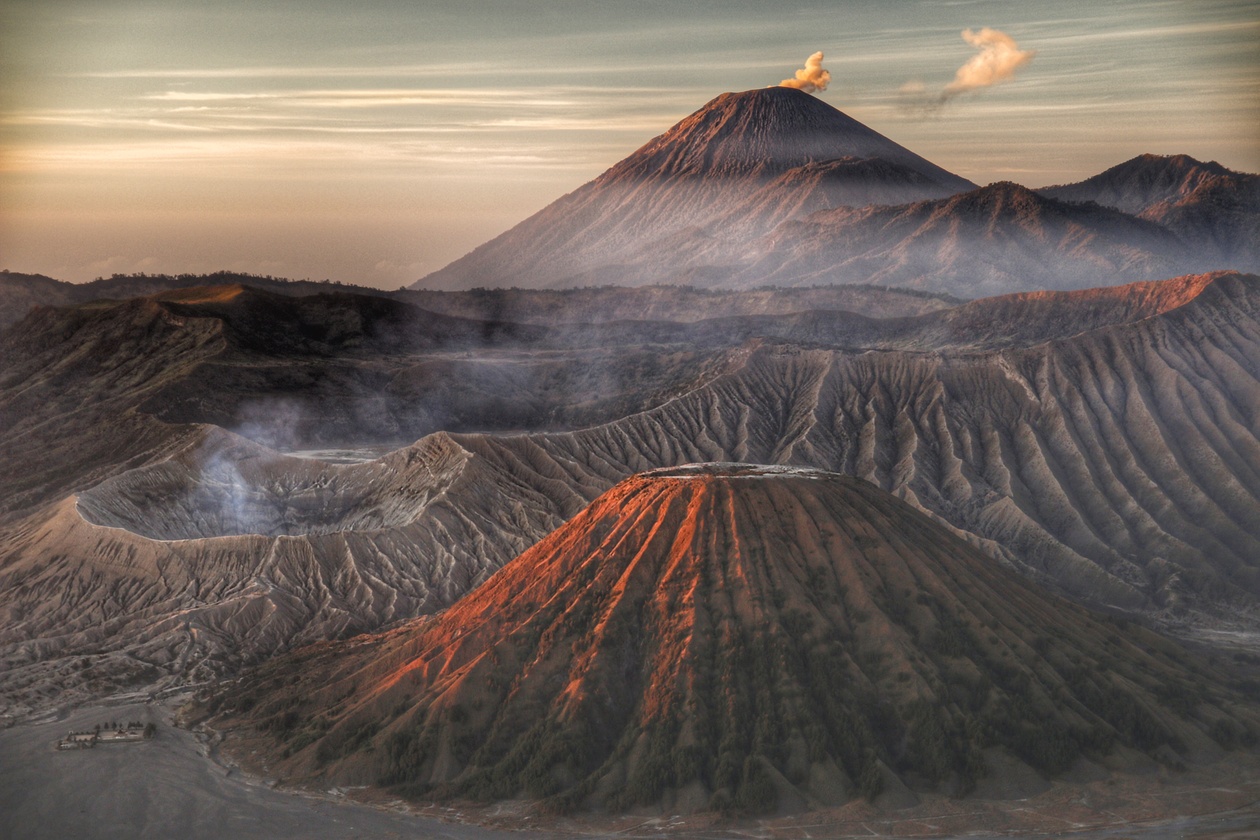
x: 733, y: 469
x: 231, y: 487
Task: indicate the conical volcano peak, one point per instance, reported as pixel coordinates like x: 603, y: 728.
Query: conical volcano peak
x: 765, y: 132
x: 1139, y: 184
x: 1168, y: 172
x: 732, y: 638
x: 730, y: 172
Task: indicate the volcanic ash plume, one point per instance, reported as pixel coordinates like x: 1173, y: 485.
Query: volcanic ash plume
x: 997, y: 61
x: 810, y: 78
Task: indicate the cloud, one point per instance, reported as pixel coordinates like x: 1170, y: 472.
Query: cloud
x: 997, y: 61
x: 810, y: 78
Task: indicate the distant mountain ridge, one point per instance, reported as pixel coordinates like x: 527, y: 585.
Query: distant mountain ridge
x: 776, y: 187
x: 1140, y: 184
x: 999, y: 239
x: 20, y: 293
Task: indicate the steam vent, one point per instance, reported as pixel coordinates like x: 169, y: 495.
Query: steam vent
x: 742, y: 639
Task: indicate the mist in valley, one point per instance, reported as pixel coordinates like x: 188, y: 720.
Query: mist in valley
x: 773, y: 478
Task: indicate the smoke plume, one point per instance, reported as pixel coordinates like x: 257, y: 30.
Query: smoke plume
x: 997, y: 61
x: 811, y: 78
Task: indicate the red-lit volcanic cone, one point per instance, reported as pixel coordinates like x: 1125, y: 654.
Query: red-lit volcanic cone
x: 738, y: 638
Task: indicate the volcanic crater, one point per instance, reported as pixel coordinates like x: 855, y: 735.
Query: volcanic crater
x: 230, y: 486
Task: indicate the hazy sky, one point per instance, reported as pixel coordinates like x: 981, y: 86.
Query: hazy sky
x: 373, y: 141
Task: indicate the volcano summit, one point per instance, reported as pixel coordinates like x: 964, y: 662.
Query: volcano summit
x: 737, y: 638
x: 775, y: 187
x: 732, y: 170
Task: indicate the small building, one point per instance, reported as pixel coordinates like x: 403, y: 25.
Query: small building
x: 113, y: 735
x: 78, y: 741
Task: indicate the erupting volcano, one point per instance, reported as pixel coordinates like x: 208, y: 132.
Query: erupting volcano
x: 726, y: 174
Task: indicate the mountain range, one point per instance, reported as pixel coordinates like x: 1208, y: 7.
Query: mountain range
x: 776, y: 187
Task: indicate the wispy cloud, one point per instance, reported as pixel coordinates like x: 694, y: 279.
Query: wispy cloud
x: 450, y: 70
x: 287, y: 72
x: 368, y: 98
x: 1123, y: 32
x: 151, y: 129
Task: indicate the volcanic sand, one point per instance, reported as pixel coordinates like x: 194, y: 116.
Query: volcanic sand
x: 173, y: 787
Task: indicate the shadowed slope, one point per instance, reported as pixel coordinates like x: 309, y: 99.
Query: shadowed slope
x: 998, y: 239
x: 1144, y: 182
x: 1213, y: 209
x: 736, y: 637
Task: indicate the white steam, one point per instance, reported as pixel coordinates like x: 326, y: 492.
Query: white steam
x: 811, y: 78
x: 997, y: 61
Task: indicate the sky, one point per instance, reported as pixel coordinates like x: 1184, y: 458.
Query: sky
x: 374, y: 142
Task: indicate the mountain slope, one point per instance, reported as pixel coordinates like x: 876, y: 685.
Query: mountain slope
x: 804, y: 152
x: 1120, y: 465
x: 999, y: 239
x: 20, y: 293
x: 1143, y: 182
x: 774, y: 187
x: 1206, y: 205
x: 732, y: 637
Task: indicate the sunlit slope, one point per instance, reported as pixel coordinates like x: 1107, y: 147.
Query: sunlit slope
x: 1121, y: 465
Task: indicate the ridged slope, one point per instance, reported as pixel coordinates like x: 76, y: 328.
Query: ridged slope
x: 1120, y: 465
x: 733, y: 637
x: 767, y: 131
x: 1211, y: 208
x: 999, y: 239
x: 1142, y: 182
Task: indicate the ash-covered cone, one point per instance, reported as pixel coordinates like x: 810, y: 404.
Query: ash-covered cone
x: 739, y: 638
